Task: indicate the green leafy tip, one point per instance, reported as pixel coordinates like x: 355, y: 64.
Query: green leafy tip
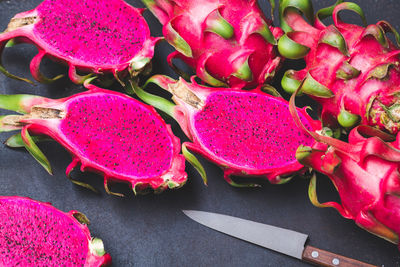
x: 350, y: 6
x: 314, y: 88
x: 195, y: 163
x: 290, y: 49
x: 218, y: 25
x: 312, y: 192
x: 300, y: 6
x: 174, y: 38
x: 158, y: 102
x: 244, y: 72
x: 347, y: 119
x: 34, y: 150
x: 303, y: 152
x: 289, y: 82
x: 97, y: 246
x: 16, y: 141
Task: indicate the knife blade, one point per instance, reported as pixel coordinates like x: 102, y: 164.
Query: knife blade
x: 282, y: 240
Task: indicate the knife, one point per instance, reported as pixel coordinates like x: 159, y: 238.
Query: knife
x: 282, y: 240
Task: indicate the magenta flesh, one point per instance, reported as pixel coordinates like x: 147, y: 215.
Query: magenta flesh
x: 32, y: 234
x: 239, y: 134
x: 88, y: 31
x: 126, y: 139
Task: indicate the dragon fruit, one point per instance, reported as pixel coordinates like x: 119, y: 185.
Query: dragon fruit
x: 247, y: 133
x: 106, y: 132
x: 226, y: 42
x: 365, y: 172
x: 352, y: 71
x: 34, y: 233
x: 90, y: 36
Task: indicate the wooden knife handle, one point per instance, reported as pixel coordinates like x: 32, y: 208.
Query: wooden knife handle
x: 324, y: 258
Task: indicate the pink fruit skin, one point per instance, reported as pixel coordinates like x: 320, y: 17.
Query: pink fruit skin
x: 247, y: 133
x: 365, y: 94
x: 215, y: 59
x: 114, y: 135
x: 23, y: 236
x: 365, y: 172
x: 90, y: 36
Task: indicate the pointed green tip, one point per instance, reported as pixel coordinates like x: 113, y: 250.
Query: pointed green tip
x: 240, y: 185
x: 137, y: 64
x: 81, y: 218
x: 303, y: 6
x: 176, y: 40
x: 334, y: 38
x: 312, y: 192
x: 327, y: 11
x: 347, y: 72
x: 289, y: 83
x: 244, y: 72
x: 35, y: 151
x: 195, y: 163
x: 303, y: 152
x: 353, y: 7
x: 380, y: 72
x: 158, y: 102
x: 15, y: 141
x: 290, y: 49
x: 266, y: 33
x: 313, y: 87
x: 97, y: 246
x: 84, y: 185
x: 269, y: 89
x: 12, y: 76
x: 347, y: 119
x: 284, y: 180
x: 11, y: 43
x: 221, y: 27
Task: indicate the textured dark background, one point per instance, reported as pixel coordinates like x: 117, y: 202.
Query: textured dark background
x: 151, y: 230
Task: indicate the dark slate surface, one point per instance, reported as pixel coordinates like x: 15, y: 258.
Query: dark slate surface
x: 151, y: 230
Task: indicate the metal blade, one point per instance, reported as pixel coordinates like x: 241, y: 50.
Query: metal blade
x: 279, y: 239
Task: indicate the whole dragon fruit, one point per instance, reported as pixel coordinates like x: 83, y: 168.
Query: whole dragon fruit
x: 352, y: 71
x: 107, y: 36
x: 241, y: 131
x: 34, y: 233
x: 365, y: 172
x: 228, y: 43
x: 106, y: 132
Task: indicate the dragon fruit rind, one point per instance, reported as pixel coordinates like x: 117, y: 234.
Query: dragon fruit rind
x: 365, y: 172
x: 107, y: 36
x: 352, y: 71
x: 247, y: 133
x: 106, y: 132
x: 34, y: 233
x: 227, y: 43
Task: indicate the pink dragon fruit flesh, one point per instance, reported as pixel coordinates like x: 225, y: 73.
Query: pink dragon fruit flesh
x: 352, y: 71
x: 34, y: 233
x: 225, y: 42
x: 365, y: 172
x: 90, y: 36
x: 106, y: 132
x: 247, y: 133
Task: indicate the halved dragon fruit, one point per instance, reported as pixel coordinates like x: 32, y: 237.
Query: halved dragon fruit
x: 34, y: 233
x: 228, y: 43
x: 247, y: 133
x: 107, y: 36
x: 106, y: 132
x: 352, y: 71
